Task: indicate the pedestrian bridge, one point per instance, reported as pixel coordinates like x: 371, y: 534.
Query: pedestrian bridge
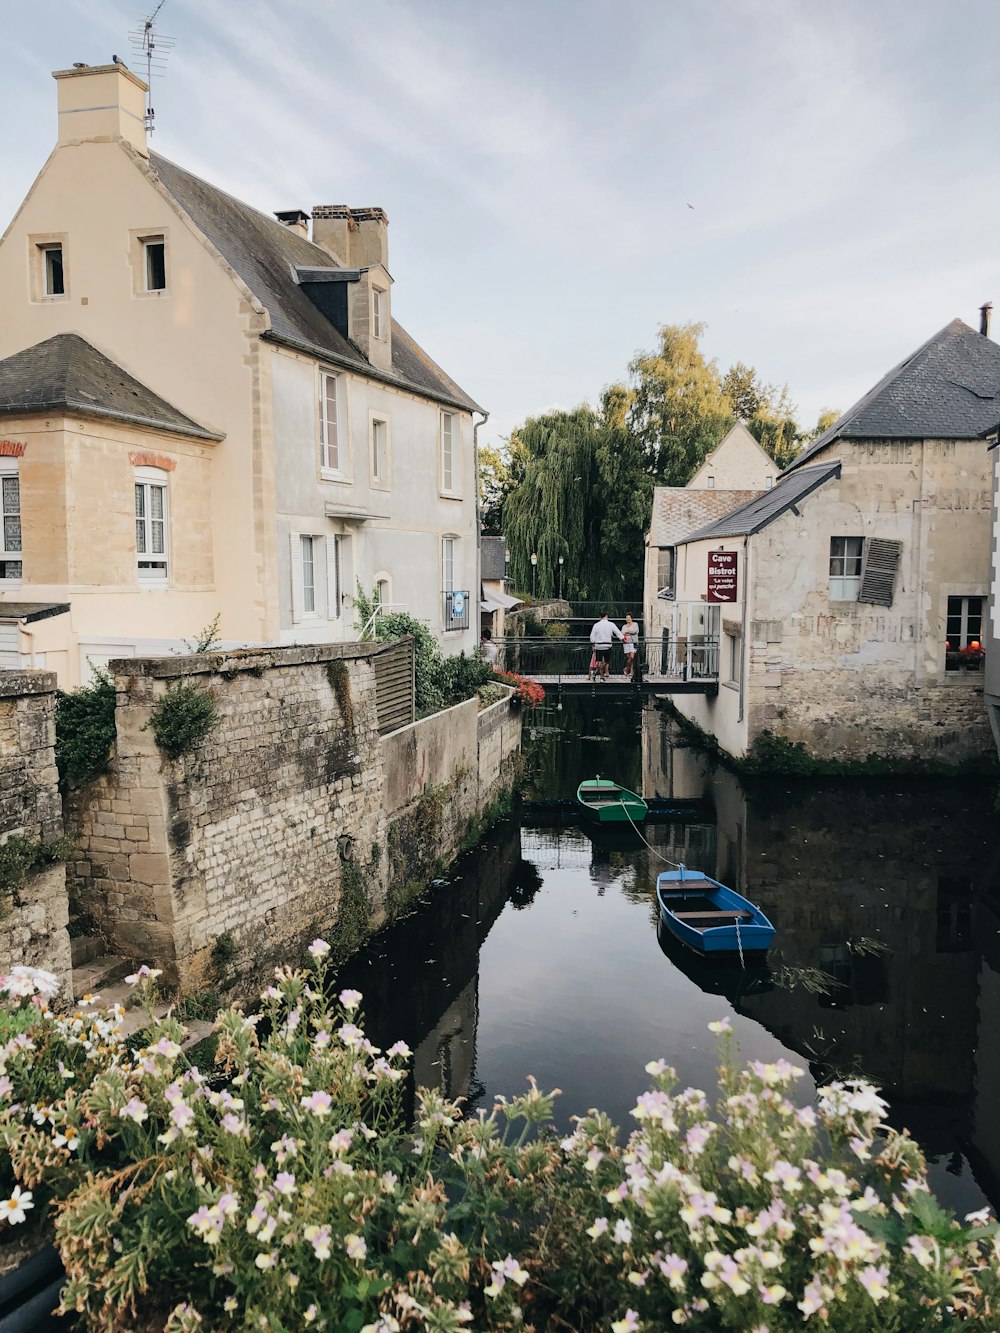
x: 677, y: 667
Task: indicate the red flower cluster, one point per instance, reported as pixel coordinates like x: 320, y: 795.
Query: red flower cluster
x: 973, y: 652
x: 528, y: 691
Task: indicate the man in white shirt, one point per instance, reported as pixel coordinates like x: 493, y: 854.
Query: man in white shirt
x: 602, y: 636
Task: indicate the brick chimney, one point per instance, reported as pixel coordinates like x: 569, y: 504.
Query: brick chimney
x: 358, y: 238
x: 101, y: 104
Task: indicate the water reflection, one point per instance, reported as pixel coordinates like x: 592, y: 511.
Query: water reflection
x: 541, y: 955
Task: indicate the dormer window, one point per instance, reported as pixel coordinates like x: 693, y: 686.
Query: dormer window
x: 378, y: 313
x: 710, y: 483
x: 154, y: 258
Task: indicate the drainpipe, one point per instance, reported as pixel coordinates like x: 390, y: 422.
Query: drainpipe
x: 22, y: 626
x: 477, y: 590
x: 745, y: 663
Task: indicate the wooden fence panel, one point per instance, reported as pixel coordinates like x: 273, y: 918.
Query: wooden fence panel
x: 394, y: 686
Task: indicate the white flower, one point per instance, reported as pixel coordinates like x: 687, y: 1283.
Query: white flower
x: 21, y: 983
x: 319, y: 949
x: 355, y: 1247
x: 267, y: 1260
x: 134, y: 1109
x: 720, y: 1025
x: 350, y: 999
x: 13, y: 1209
x: 623, y: 1231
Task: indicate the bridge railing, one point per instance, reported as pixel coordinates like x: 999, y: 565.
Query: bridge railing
x: 688, y: 657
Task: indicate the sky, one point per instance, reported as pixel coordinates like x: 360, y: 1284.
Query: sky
x: 817, y: 183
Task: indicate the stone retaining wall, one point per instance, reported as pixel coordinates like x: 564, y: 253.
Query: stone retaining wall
x: 33, y: 916
x: 274, y: 829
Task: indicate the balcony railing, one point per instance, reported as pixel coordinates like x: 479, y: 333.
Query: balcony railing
x: 456, y: 608
x: 687, y: 659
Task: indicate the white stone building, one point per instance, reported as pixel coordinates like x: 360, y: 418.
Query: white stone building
x: 246, y: 430
x: 863, y: 575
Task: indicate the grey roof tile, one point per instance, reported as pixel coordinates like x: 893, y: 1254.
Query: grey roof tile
x: 494, y: 565
x: 678, y: 510
x: 66, y: 373
x: 948, y: 389
x: 758, y: 513
x: 264, y: 252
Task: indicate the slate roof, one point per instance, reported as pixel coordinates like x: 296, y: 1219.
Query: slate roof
x: 263, y: 252
x: 66, y: 373
x: 31, y: 611
x: 948, y: 389
x: 758, y: 513
x: 494, y: 566
x: 678, y: 510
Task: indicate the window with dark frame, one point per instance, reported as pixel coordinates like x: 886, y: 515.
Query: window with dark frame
x: 845, y: 568
x: 53, y: 272
x: 963, y: 628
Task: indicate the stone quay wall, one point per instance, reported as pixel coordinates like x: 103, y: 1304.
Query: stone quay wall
x: 442, y: 773
x: 218, y: 864
x: 34, y: 915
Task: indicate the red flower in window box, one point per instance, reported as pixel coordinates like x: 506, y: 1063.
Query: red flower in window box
x: 528, y: 691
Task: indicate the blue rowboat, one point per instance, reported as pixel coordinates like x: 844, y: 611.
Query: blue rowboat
x: 709, y: 918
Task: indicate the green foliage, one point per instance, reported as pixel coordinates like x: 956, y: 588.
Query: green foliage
x: 21, y: 857
x: 292, y: 1189
x: 85, y: 730
x: 183, y: 717
x: 531, y: 625
x: 491, y: 693
x: 339, y: 675
x: 556, y: 629
x: 207, y: 641
x: 462, y: 677
x: 354, y: 915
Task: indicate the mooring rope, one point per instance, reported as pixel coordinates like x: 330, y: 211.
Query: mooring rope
x: 679, y: 865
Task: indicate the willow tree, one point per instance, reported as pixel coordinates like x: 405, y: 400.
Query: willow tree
x: 553, y: 512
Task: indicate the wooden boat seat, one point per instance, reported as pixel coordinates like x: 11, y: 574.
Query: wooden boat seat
x: 715, y: 918
x: 687, y: 885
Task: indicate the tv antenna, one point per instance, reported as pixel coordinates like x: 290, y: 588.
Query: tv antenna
x: 153, y: 47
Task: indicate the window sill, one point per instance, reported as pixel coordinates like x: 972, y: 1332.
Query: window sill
x: 50, y: 300
x: 450, y: 495
x: 145, y: 296
x: 733, y: 685
x: 338, y: 478
x: 380, y: 485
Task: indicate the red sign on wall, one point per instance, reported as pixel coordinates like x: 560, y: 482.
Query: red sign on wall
x: 722, y: 576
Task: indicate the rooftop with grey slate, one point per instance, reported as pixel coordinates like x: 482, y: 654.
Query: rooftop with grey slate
x: 757, y: 514
x: 678, y: 510
x: 948, y: 389
x: 265, y: 253
x: 66, y: 374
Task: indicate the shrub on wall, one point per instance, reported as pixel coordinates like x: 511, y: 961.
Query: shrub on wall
x: 85, y: 730
x: 290, y: 1191
x: 182, y: 718
x: 21, y: 857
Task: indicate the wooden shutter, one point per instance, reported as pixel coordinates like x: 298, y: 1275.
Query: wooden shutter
x: 878, y: 571
x: 298, y: 594
x: 333, y: 578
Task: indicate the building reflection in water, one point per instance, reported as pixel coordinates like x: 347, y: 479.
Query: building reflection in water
x: 885, y: 896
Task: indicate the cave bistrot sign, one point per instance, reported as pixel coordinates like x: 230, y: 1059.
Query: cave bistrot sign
x: 722, y: 576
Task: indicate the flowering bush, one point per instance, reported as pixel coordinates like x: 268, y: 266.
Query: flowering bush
x: 289, y: 1192
x: 527, y: 691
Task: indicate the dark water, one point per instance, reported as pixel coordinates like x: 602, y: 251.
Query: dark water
x: 540, y: 954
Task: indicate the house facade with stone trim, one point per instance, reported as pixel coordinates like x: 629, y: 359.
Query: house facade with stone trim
x: 864, y: 575
x: 238, y: 397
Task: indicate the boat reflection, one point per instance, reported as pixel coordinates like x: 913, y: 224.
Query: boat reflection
x: 716, y: 977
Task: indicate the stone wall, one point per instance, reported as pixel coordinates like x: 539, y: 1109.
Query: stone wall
x: 274, y: 829
x: 219, y: 862
x: 33, y: 915
x: 442, y: 773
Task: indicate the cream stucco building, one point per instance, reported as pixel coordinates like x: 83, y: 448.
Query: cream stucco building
x: 205, y: 410
x: 863, y: 575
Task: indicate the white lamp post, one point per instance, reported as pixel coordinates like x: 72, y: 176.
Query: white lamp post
x: 534, y: 573
x: 560, y: 577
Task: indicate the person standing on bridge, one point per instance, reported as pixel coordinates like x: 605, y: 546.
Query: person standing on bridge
x: 630, y: 638
x: 602, y: 636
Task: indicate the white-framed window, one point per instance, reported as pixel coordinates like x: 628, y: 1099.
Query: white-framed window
x: 11, y: 564
x: 49, y: 270
x: 963, y: 628
x: 768, y: 483
x: 307, y: 554
x: 845, y: 568
x: 151, y: 525
x: 447, y: 451
x: 154, y: 263
x: 449, y: 549
x: 710, y: 483
x: 664, y: 567
x: 383, y: 590
x: 378, y: 312
x: 379, y: 442
x: 329, y: 423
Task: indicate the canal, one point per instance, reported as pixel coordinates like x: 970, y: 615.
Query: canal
x: 539, y: 954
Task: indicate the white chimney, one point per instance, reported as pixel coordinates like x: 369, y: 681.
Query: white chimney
x: 101, y: 103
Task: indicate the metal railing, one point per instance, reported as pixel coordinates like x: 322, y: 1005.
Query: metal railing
x: 455, y: 602
x: 688, y: 658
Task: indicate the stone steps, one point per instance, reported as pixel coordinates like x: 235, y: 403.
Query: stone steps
x: 100, y: 974
x: 84, y: 949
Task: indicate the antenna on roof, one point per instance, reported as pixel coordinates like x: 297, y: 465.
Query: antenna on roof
x: 153, y: 47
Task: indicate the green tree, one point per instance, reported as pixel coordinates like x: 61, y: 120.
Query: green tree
x: 501, y: 470
x: 677, y: 410
x: 767, y: 411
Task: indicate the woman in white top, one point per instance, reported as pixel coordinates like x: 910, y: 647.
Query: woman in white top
x: 630, y: 636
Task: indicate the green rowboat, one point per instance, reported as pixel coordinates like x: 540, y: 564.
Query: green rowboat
x: 607, y: 802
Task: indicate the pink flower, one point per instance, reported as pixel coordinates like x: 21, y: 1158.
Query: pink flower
x: 318, y: 1102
